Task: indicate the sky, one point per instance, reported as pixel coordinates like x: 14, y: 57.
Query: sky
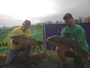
x: 14, y: 12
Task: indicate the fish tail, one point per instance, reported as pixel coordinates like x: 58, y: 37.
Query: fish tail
x: 40, y: 44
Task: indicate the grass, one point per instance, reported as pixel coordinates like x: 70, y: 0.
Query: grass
x: 52, y: 55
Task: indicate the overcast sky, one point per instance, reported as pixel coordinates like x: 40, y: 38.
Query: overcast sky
x: 14, y: 12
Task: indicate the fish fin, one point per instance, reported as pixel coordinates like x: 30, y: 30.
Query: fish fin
x: 84, y: 55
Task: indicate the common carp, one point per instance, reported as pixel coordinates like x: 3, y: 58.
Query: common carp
x: 25, y: 41
x: 64, y: 44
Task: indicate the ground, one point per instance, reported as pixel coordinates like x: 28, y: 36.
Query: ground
x: 50, y: 60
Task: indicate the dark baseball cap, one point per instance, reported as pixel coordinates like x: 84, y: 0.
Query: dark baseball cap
x: 67, y: 15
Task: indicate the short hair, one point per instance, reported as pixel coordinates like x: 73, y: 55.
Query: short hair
x: 27, y: 21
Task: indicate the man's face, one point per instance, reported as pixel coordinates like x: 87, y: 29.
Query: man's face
x: 25, y: 25
x: 68, y: 20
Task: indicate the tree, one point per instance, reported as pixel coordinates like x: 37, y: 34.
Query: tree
x: 80, y: 19
x: 88, y: 19
x: 76, y: 20
x: 57, y: 22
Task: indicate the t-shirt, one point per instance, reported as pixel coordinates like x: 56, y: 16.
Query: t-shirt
x: 77, y: 33
x: 18, y: 30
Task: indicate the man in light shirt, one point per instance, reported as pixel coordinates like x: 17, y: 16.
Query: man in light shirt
x: 16, y: 48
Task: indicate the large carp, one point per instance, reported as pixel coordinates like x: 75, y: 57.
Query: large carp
x: 25, y: 41
x: 64, y: 44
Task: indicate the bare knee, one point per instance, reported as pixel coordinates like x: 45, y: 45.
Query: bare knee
x: 57, y: 49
